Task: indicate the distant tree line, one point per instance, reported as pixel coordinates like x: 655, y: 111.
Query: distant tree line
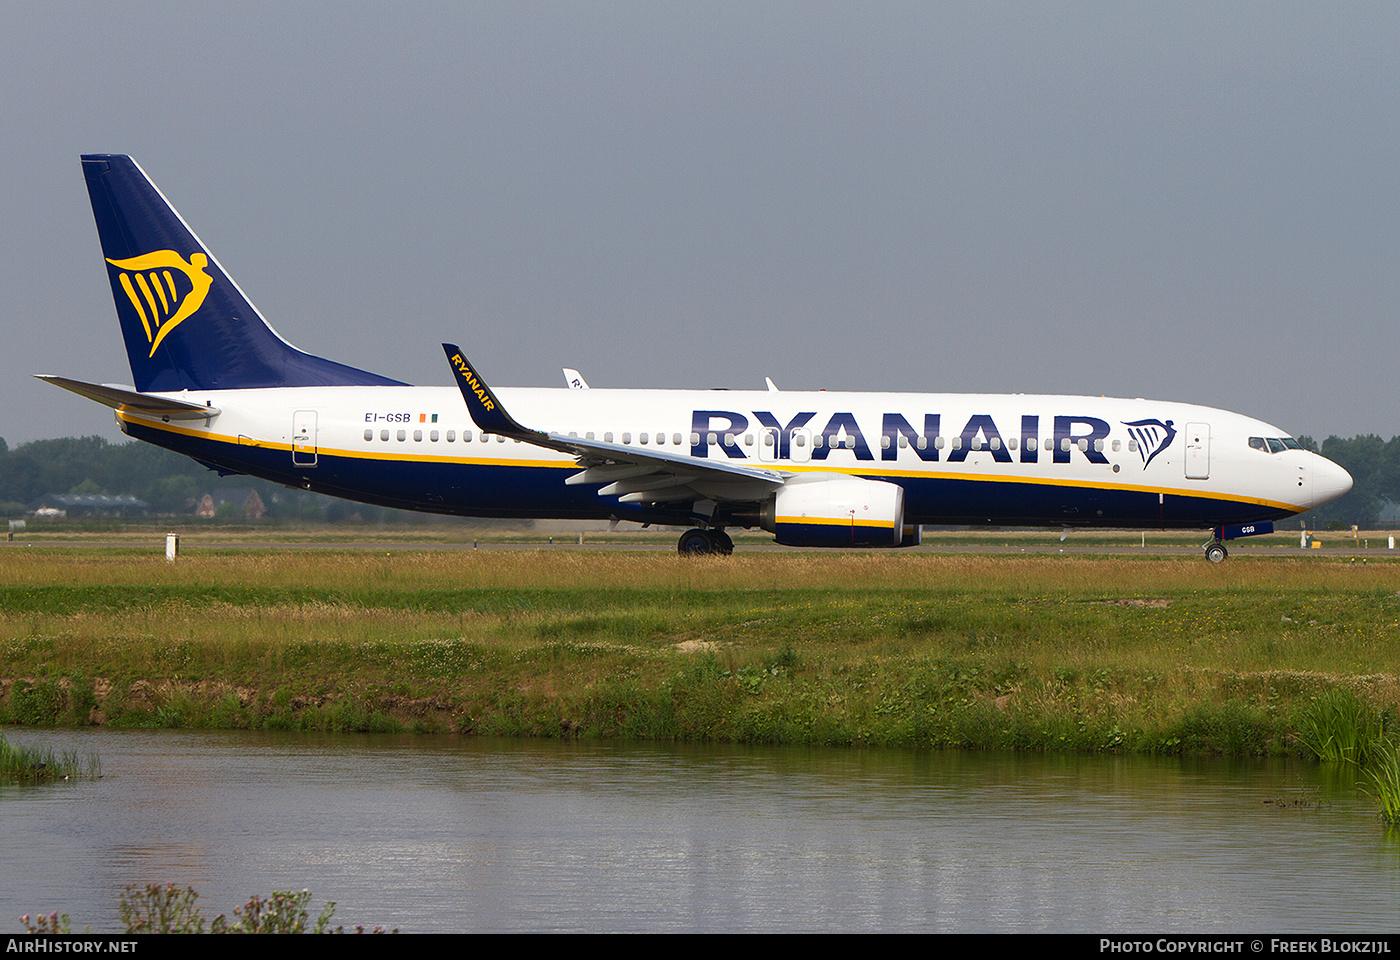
x: 173, y: 484
x: 169, y: 483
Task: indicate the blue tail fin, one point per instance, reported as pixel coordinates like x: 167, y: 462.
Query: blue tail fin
x: 186, y: 324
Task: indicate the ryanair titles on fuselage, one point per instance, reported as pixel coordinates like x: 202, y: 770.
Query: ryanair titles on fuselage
x: 1066, y: 435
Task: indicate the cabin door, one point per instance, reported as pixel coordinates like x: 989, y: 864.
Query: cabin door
x: 1198, y: 451
x: 304, y: 438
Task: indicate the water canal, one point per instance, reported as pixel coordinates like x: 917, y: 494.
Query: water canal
x: 451, y: 834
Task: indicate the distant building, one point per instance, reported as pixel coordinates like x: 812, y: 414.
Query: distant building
x: 245, y: 499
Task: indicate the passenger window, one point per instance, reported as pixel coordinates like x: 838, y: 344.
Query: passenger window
x: 451, y: 436
x: 418, y: 436
x: 383, y: 434
x: 403, y: 435
x: 433, y: 436
x: 369, y: 434
x: 607, y: 436
x: 676, y: 438
x: 627, y: 436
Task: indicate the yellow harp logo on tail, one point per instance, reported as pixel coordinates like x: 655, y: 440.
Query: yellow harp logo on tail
x: 164, y: 289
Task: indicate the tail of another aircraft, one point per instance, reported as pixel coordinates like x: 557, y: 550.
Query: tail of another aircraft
x: 186, y: 324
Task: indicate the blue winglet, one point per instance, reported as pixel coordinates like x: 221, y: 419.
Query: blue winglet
x: 482, y: 404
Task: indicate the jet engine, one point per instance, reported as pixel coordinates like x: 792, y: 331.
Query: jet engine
x: 833, y: 510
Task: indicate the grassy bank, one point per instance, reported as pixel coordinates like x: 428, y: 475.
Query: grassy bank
x: 1046, y: 652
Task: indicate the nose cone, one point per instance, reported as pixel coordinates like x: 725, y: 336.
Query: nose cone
x: 1329, y: 481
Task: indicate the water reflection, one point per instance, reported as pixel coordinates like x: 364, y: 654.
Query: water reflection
x: 432, y: 834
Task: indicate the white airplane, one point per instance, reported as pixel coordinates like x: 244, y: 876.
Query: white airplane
x: 212, y: 380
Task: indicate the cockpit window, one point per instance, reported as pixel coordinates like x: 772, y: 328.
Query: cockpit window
x: 1274, y: 444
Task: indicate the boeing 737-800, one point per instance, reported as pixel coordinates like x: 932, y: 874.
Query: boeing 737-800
x: 212, y: 380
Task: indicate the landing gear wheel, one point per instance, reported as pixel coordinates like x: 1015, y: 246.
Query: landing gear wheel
x: 723, y: 544
x: 1216, y: 552
x: 696, y: 543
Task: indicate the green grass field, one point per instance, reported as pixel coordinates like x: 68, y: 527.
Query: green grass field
x: 1038, y: 652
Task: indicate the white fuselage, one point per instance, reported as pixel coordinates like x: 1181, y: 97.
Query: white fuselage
x: 961, y: 458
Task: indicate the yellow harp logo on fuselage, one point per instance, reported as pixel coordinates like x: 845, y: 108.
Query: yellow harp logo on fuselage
x: 162, y: 301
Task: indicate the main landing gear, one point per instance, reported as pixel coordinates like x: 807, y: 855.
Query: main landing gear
x: 1216, y: 552
x: 699, y: 543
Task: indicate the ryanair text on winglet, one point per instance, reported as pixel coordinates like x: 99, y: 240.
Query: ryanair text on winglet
x: 476, y: 385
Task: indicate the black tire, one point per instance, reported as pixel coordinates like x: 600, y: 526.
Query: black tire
x: 1216, y: 552
x: 723, y: 544
x: 695, y: 543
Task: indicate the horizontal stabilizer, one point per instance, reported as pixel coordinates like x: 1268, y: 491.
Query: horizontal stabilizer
x: 120, y: 399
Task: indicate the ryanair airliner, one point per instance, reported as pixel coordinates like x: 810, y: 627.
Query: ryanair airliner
x: 212, y: 380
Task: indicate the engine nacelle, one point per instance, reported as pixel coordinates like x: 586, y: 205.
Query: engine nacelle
x: 833, y: 510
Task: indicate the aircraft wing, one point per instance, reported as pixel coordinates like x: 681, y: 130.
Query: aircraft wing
x: 119, y: 398
x: 631, y: 474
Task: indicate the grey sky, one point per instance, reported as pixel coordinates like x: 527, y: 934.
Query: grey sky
x: 1182, y: 201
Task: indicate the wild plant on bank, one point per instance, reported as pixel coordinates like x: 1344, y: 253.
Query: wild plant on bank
x: 31, y: 765
x: 168, y: 909
x: 53, y: 923
x: 1341, y: 727
x: 1382, y: 783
